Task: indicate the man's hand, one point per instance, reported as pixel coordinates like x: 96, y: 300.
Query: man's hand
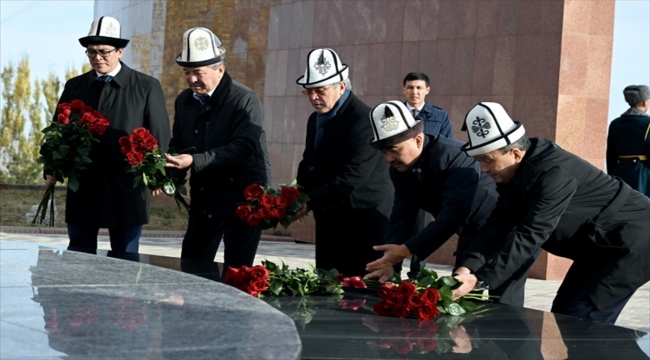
x: 181, y: 161
x: 50, y: 180
x: 469, y: 283
x: 392, y: 255
x: 304, y: 210
x: 156, y: 191
x: 383, y: 275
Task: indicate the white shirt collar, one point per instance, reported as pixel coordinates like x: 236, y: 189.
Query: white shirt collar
x: 408, y: 106
x: 112, y: 73
x: 208, y: 93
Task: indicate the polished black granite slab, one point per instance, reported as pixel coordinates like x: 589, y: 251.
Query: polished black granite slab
x: 329, y: 327
x: 56, y: 303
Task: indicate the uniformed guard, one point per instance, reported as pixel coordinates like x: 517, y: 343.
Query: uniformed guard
x: 628, y: 143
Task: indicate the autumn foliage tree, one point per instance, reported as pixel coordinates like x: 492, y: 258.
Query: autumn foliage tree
x: 26, y: 108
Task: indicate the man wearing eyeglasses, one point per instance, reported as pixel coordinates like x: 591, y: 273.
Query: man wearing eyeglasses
x: 347, y: 181
x: 129, y: 99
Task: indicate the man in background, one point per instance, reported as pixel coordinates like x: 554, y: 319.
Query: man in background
x: 436, y: 122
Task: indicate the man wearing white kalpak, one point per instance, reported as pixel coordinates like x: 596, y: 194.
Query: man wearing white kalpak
x: 555, y: 200
x: 221, y: 120
x: 432, y: 173
x: 347, y: 181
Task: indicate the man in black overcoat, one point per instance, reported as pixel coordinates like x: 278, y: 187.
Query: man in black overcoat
x: 218, y: 128
x: 628, y: 141
x: 129, y: 99
x: 346, y: 179
x: 554, y: 200
x: 433, y: 174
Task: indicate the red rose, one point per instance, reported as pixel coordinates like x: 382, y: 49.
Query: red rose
x: 407, y: 288
x: 279, y: 213
x: 253, y: 192
x: 385, y: 290
x: 77, y: 105
x: 260, y: 285
x: 253, y: 220
x: 428, y: 312
x: 339, y: 277
x: 265, y: 214
x: 125, y: 145
x: 243, y: 211
x: 427, y: 344
x: 232, y: 276
x: 382, y: 308
x: 134, y: 158
x: 282, y: 202
x: 290, y: 192
x: 64, y: 107
x: 141, y: 132
x: 414, y: 301
x: 356, y: 282
x: 259, y: 272
x: 267, y: 201
x: 150, y: 143
x: 99, y: 126
x: 400, y: 310
x: 403, y: 347
x: 431, y: 295
x: 394, y: 298
x: 63, y: 119
x: 86, y: 118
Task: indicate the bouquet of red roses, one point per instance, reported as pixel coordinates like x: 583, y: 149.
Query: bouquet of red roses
x: 425, y: 297
x: 145, y: 158
x: 66, y: 148
x: 266, y: 207
x: 274, y: 280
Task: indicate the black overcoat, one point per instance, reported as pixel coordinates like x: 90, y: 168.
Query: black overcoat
x: 350, y: 189
x: 228, y: 146
x: 446, y: 183
x: 628, y: 151
x: 551, y: 196
x: 106, y: 197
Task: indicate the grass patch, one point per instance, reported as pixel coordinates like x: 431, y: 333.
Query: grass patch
x: 15, y: 203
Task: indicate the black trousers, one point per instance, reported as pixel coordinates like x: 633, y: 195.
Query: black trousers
x: 204, y: 234
x: 344, y: 239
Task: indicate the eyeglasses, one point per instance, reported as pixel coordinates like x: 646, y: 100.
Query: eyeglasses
x: 317, y: 91
x: 103, y: 53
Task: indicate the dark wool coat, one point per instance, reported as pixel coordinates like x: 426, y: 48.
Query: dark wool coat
x: 228, y: 146
x: 446, y: 183
x: 350, y: 189
x: 551, y: 196
x: 106, y: 197
x: 628, y: 150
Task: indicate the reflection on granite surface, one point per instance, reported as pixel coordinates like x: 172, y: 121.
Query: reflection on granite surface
x: 141, y: 311
x: 82, y: 306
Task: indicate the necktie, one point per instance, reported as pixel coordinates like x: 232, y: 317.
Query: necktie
x: 105, y: 78
x: 203, y: 99
x: 415, y: 112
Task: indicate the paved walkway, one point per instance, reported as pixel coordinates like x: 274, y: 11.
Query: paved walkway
x: 539, y: 293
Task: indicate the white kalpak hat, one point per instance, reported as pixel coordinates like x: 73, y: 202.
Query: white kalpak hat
x: 200, y: 48
x: 392, y: 123
x: 106, y: 31
x: 324, y: 67
x: 490, y: 128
